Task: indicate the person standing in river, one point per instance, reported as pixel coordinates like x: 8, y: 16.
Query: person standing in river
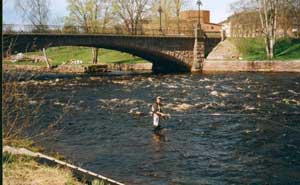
x: 157, y: 114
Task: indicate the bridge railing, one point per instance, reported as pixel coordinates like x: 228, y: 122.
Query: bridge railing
x: 117, y: 30
x: 11, y: 28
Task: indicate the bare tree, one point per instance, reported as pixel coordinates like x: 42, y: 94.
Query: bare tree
x: 84, y: 14
x: 179, y: 4
x: 132, y: 12
x: 35, y: 11
x: 91, y: 16
x: 106, y: 13
x: 245, y: 24
x: 21, y: 112
x: 268, y: 11
x: 169, y: 12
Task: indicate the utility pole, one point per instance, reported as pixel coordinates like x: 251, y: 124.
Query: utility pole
x: 199, y: 46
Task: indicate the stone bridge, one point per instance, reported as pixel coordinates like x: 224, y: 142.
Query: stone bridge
x: 167, y: 53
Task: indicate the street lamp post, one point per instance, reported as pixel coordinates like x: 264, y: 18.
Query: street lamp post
x: 199, y: 3
x: 199, y: 45
x: 160, y: 12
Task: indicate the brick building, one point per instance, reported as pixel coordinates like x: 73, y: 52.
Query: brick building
x: 189, y: 19
x: 187, y: 23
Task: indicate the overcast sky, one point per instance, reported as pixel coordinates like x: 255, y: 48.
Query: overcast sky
x: 219, y: 10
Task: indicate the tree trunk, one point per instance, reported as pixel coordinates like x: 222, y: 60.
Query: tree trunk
x: 178, y: 24
x: 95, y: 55
x: 46, y: 59
x: 136, y: 27
x: 105, y: 19
x: 272, y: 43
x: 267, y: 47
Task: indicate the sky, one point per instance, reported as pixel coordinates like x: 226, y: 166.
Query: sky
x: 220, y: 10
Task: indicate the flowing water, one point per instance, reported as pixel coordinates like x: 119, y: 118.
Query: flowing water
x: 239, y: 128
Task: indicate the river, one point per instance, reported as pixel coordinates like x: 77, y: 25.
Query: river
x: 237, y: 128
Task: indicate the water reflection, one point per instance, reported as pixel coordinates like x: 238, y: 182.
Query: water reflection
x: 159, y: 136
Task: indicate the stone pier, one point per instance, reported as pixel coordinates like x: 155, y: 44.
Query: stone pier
x: 199, y: 51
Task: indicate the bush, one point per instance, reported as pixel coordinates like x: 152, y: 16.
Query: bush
x: 21, y: 114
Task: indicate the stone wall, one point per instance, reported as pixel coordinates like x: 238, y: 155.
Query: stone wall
x: 208, y: 66
x: 130, y: 67
x: 119, y: 67
x: 30, y: 68
x: 80, y: 68
x: 70, y: 69
x: 250, y: 66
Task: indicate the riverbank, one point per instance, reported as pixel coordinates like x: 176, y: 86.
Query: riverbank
x: 208, y: 66
x: 80, y: 68
x: 251, y: 66
x: 25, y: 169
x: 23, y: 166
x: 254, y: 49
x: 21, y: 169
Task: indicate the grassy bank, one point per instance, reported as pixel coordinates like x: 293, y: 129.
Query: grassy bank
x: 22, y: 169
x: 60, y: 55
x: 254, y: 48
x: 19, y: 169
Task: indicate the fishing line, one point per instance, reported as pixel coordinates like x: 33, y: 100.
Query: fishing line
x: 254, y: 114
x: 212, y: 114
x: 232, y: 114
x: 282, y: 125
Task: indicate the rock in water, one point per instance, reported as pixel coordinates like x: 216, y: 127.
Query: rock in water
x: 214, y: 93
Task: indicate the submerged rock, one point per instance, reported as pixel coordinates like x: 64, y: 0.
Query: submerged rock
x: 182, y: 107
x: 214, y: 93
x: 248, y: 107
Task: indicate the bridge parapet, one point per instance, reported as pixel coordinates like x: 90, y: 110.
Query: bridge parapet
x: 62, y: 29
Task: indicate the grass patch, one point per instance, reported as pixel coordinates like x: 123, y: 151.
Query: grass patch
x: 19, y: 169
x: 59, y: 55
x: 254, y: 48
x: 23, y: 169
x: 109, y: 56
x: 287, y: 49
x: 22, y: 143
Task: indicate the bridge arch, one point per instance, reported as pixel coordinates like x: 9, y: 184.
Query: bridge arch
x: 161, y: 63
x: 168, y: 54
